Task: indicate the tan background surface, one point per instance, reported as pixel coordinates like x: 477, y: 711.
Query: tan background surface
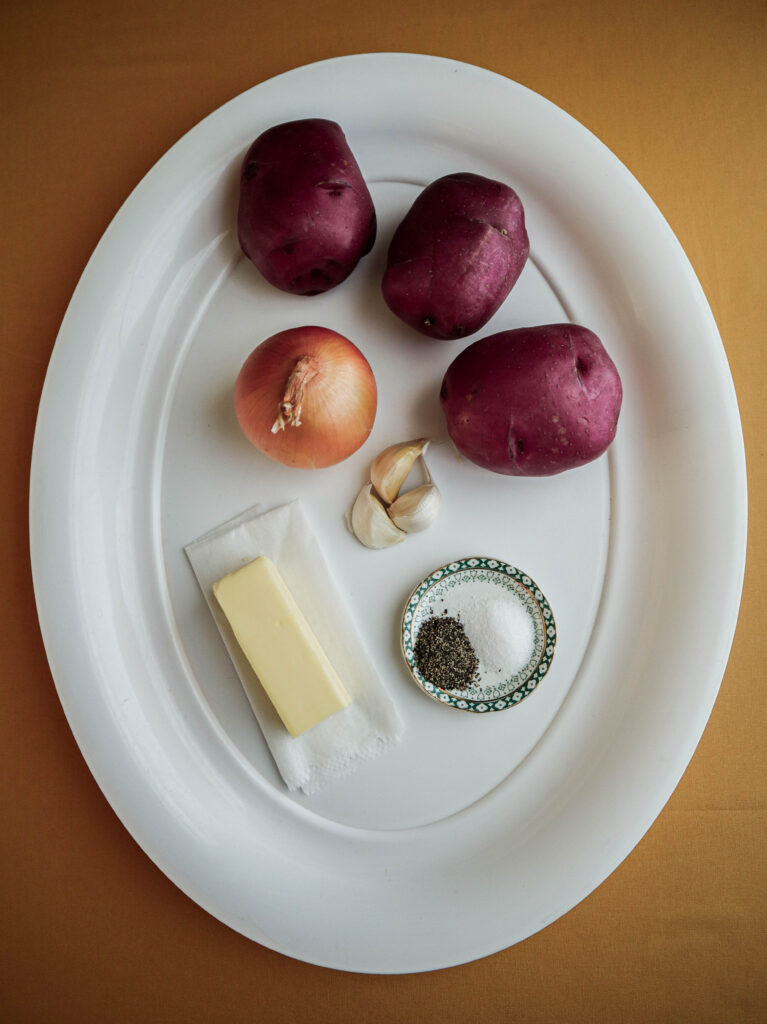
x: 93, y: 94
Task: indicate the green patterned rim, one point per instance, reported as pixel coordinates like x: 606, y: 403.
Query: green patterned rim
x: 490, y: 572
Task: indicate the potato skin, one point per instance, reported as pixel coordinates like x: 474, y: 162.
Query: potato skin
x: 533, y: 401
x: 456, y: 255
x: 305, y: 215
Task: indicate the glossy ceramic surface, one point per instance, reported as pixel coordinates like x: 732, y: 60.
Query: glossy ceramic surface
x: 641, y: 553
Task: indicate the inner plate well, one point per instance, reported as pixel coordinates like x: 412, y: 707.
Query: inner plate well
x: 556, y: 528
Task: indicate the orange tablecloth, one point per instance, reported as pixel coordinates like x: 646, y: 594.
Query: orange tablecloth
x: 93, y: 94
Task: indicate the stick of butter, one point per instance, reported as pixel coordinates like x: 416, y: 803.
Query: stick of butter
x: 280, y: 646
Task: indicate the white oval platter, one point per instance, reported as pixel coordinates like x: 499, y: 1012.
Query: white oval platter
x: 641, y: 554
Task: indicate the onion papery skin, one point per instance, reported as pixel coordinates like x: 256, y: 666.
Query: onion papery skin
x: 338, y: 403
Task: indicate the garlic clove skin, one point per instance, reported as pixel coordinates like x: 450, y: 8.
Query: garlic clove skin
x: 390, y: 469
x: 417, y: 509
x: 370, y: 523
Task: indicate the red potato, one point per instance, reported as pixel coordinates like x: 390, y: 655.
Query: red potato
x: 533, y: 401
x: 305, y: 216
x: 456, y: 255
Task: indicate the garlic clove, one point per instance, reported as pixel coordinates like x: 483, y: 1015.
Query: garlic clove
x: 417, y: 509
x: 390, y: 469
x: 370, y: 523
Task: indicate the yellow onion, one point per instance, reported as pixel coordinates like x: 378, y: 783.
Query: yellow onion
x: 306, y: 397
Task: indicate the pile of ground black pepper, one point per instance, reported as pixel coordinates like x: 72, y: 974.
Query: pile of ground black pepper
x: 444, y: 655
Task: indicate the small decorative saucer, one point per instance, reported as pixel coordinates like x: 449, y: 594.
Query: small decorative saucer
x: 472, y: 582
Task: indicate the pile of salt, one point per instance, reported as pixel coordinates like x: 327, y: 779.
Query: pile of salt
x: 501, y: 632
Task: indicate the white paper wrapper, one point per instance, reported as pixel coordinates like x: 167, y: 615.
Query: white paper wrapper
x: 366, y: 728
